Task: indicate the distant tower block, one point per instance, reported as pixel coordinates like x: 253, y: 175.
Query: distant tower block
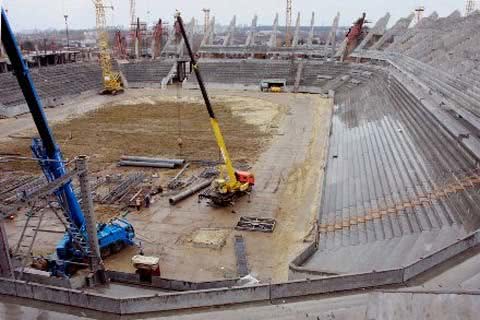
x: 470, y: 7
x: 206, y: 20
x: 419, y: 11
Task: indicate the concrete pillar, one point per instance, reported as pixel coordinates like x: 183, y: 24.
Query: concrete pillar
x: 95, y: 259
x: 210, y: 34
x: 231, y: 31
x: 190, y: 33
x: 330, y: 45
x: 310, y: 35
x: 251, y: 35
x: 212, y: 31
x: 6, y: 269
x: 170, y: 39
x: 399, y: 28
x: 297, y: 32
x: 378, y: 30
x: 272, y: 43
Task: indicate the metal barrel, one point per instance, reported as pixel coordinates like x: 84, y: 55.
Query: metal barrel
x: 151, y: 159
x: 169, y: 165
x: 188, y: 192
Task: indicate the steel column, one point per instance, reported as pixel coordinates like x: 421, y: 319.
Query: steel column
x: 6, y: 269
x: 95, y: 259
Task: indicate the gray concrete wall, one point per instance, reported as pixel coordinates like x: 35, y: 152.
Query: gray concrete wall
x: 196, y: 299
x: 335, y: 284
x: 51, y: 102
x: 170, y: 284
x: 235, y: 295
x: 13, y: 111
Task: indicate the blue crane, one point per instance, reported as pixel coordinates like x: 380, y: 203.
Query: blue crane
x: 73, y: 247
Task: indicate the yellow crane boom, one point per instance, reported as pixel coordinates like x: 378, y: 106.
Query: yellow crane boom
x: 112, y: 83
x: 237, y: 183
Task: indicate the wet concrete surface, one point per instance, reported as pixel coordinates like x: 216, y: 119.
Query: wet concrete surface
x: 398, y: 186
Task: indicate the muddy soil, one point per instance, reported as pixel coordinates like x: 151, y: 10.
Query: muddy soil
x: 157, y: 126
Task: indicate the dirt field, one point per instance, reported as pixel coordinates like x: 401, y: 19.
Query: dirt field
x: 154, y: 126
x: 281, y: 136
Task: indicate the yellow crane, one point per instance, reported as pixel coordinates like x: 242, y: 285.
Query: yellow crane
x: 232, y: 183
x: 112, y: 82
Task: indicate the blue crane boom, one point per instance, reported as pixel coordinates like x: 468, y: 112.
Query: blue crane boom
x: 46, y: 148
x: 73, y: 246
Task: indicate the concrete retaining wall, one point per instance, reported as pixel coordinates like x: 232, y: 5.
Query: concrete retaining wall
x: 137, y: 85
x: 196, y: 299
x: 336, y: 284
x: 294, y: 270
x: 441, y: 256
x: 223, y: 86
x: 170, y: 284
x: 13, y: 111
x: 227, y: 296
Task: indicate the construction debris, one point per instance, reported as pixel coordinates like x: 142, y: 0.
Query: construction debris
x: 176, y: 183
x: 123, y: 188
x: 256, y: 224
x: 212, y: 238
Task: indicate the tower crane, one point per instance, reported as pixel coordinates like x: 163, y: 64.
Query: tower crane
x: 206, y: 19
x: 112, y: 82
x: 132, y: 12
x: 224, y: 190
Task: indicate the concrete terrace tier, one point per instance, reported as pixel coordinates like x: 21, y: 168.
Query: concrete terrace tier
x: 399, y: 183
x: 146, y: 72
x: 53, y: 83
x: 314, y: 76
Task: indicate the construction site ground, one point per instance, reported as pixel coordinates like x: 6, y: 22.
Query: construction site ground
x: 279, y: 137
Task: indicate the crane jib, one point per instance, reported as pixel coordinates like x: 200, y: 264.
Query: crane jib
x: 47, y: 146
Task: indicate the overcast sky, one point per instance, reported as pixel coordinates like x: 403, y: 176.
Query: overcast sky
x: 36, y: 14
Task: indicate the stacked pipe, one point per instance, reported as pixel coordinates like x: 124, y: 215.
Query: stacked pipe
x: 135, y: 161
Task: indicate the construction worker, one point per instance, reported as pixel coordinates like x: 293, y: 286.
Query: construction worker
x: 138, y: 203
x: 147, y: 200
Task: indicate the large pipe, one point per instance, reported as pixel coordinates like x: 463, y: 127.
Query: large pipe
x: 149, y: 159
x: 188, y: 192
x: 169, y: 165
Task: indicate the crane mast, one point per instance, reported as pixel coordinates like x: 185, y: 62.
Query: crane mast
x: 132, y: 12
x: 112, y: 83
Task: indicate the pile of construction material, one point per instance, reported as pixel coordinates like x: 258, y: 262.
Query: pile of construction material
x: 123, y: 188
